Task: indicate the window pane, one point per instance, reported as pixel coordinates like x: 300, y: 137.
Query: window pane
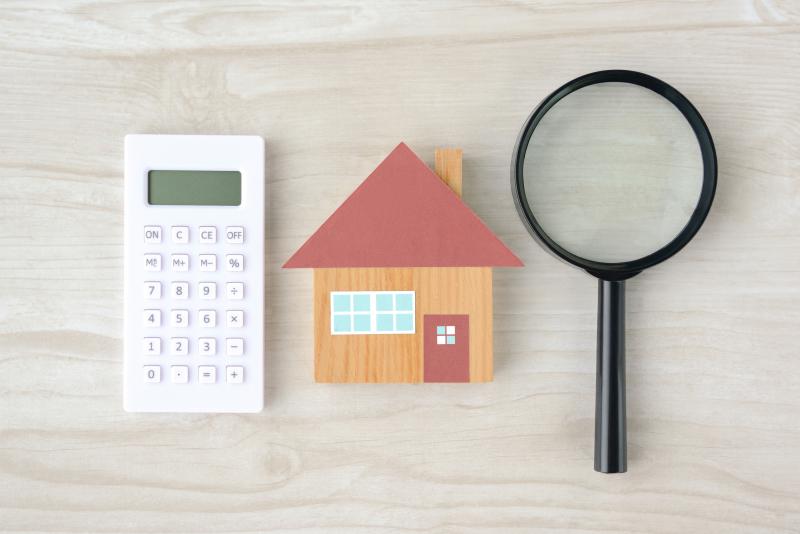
x: 384, y: 322
x: 440, y: 340
x: 405, y: 302
x: 383, y: 301
x: 341, y: 323
x: 361, y: 302
x: 341, y: 303
x: 361, y: 323
x: 451, y: 340
x: 404, y: 322
x: 439, y: 330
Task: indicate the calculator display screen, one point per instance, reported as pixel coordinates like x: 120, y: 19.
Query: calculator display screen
x: 194, y: 188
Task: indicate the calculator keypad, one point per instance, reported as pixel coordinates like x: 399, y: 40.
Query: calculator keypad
x: 175, y: 303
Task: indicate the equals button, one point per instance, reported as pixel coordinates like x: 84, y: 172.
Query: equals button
x: 207, y: 373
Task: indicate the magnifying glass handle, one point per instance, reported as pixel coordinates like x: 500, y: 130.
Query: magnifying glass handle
x: 610, y: 444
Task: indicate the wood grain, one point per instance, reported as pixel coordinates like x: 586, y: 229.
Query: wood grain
x: 380, y: 359
x: 447, y: 165
x: 713, y: 358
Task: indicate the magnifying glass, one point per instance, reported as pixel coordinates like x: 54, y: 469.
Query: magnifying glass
x: 614, y: 172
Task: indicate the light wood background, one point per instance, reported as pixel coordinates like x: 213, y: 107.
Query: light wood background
x: 713, y: 335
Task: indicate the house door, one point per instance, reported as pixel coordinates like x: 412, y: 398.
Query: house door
x: 446, y: 346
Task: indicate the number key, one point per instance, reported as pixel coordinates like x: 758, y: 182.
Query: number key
x: 152, y: 346
x: 152, y: 290
x: 179, y: 318
x: 207, y: 318
x: 179, y: 346
x: 207, y: 290
x: 207, y: 346
x: 180, y: 290
x: 152, y: 318
x: 152, y: 373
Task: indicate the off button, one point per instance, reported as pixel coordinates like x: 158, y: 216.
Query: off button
x: 234, y: 234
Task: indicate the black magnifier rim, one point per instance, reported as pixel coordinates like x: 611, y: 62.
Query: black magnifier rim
x: 626, y: 269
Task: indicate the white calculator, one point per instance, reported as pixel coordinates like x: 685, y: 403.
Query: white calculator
x: 194, y: 273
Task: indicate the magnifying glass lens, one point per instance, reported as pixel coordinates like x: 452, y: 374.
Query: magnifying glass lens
x: 613, y: 172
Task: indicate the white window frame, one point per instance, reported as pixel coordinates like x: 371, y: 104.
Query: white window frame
x: 373, y: 312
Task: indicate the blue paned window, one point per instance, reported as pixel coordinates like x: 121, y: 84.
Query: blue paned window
x: 372, y: 312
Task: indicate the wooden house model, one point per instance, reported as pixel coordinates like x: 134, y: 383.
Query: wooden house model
x: 403, y: 278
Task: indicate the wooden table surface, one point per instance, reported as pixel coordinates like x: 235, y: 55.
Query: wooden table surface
x: 713, y: 334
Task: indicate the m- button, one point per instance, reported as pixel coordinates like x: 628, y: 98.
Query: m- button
x: 234, y: 234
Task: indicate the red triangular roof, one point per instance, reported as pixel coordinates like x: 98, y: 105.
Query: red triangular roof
x: 403, y: 215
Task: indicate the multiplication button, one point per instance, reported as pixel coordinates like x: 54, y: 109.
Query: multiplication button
x: 234, y: 318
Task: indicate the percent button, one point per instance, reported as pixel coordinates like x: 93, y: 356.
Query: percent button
x: 234, y: 262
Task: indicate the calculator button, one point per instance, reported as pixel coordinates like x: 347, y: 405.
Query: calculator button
x: 152, y: 290
x: 234, y: 290
x: 152, y: 346
x: 179, y: 290
x: 207, y: 374
x: 152, y: 318
x: 152, y: 262
x: 152, y: 234
x: 179, y: 318
x: 207, y: 290
x: 180, y: 234
x: 234, y: 234
x: 179, y: 346
x: 234, y: 318
x: 234, y: 346
x: 207, y: 346
x: 234, y: 374
x: 208, y: 262
x: 208, y: 234
x: 234, y: 262
x: 207, y: 318
x: 180, y: 262
x: 152, y: 373
x: 180, y: 374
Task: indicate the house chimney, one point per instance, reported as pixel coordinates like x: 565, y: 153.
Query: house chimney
x: 447, y: 164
